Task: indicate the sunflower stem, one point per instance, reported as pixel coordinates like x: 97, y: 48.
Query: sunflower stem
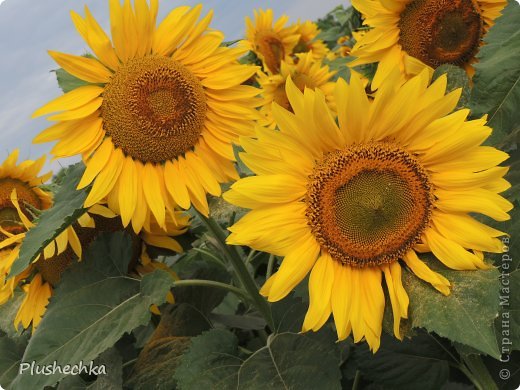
x: 476, y: 371
x: 240, y: 269
x: 211, y: 283
x: 270, y: 266
x: 357, y: 379
x: 251, y: 256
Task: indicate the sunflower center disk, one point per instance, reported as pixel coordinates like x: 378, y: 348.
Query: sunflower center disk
x: 9, y: 219
x: 52, y: 269
x: 441, y: 31
x: 154, y: 109
x: 369, y: 204
x: 272, y: 49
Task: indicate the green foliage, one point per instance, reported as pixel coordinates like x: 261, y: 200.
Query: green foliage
x: 420, y: 362
x: 337, y: 23
x: 289, y: 360
x: 211, y: 362
x: 94, y: 305
x: 457, y: 78
x: 8, y: 313
x: 294, y: 361
x: 496, y: 90
x: 67, y: 208
x: 68, y: 82
x: 11, y: 352
x: 466, y: 315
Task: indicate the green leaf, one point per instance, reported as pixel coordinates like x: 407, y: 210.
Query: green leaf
x: 8, y: 313
x: 507, y: 325
x: 157, y: 363
x: 340, y: 66
x: 113, y: 380
x: 288, y: 314
x: 68, y: 82
x: 289, y: 360
x: 161, y: 354
x: 11, y: 352
x: 293, y: 361
x: 457, y: 78
x: 93, y: 306
x: 67, y: 208
x: 194, y: 266
x: 466, y: 315
x: 420, y: 362
x: 212, y: 362
x: 497, y: 79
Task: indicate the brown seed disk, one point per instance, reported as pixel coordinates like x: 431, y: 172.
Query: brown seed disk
x: 270, y: 46
x: 369, y: 204
x: 441, y: 31
x: 52, y: 269
x: 154, y: 109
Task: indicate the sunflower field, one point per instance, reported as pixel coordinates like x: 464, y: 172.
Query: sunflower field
x: 328, y: 204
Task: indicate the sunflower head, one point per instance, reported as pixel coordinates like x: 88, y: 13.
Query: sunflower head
x: 354, y: 195
x: 423, y: 33
x: 305, y: 73
x: 271, y: 41
x: 24, y: 179
x: 308, y: 43
x: 157, y: 121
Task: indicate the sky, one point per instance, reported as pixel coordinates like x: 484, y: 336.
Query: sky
x: 29, y: 28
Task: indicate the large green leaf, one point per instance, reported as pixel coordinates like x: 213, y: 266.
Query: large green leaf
x: 420, y: 362
x: 67, y: 208
x: 497, y: 79
x: 94, y: 305
x: 288, y: 314
x: 293, y: 361
x: 8, y: 313
x: 507, y: 325
x: 466, y: 315
x: 11, y: 352
x: 288, y: 361
x: 212, y: 362
x: 112, y: 380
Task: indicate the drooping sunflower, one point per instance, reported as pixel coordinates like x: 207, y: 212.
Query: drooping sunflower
x: 156, y: 123
x: 19, y: 182
x: 306, y: 72
x: 271, y: 41
x: 20, y: 199
x: 40, y: 278
x: 308, y: 41
x: 354, y: 202
x: 414, y: 34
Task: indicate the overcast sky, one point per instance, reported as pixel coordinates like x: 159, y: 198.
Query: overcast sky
x: 28, y: 28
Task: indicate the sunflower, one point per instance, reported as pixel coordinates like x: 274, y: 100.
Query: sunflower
x: 414, y: 34
x: 156, y: 122
x: 21, y: 199
x: 308, y: 41
x: 271, y: 42
x: 39, y: 279
x: 355, y: 202
x: 306, y: 72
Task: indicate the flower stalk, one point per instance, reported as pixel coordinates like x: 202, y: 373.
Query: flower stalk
x: 240, y: 269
